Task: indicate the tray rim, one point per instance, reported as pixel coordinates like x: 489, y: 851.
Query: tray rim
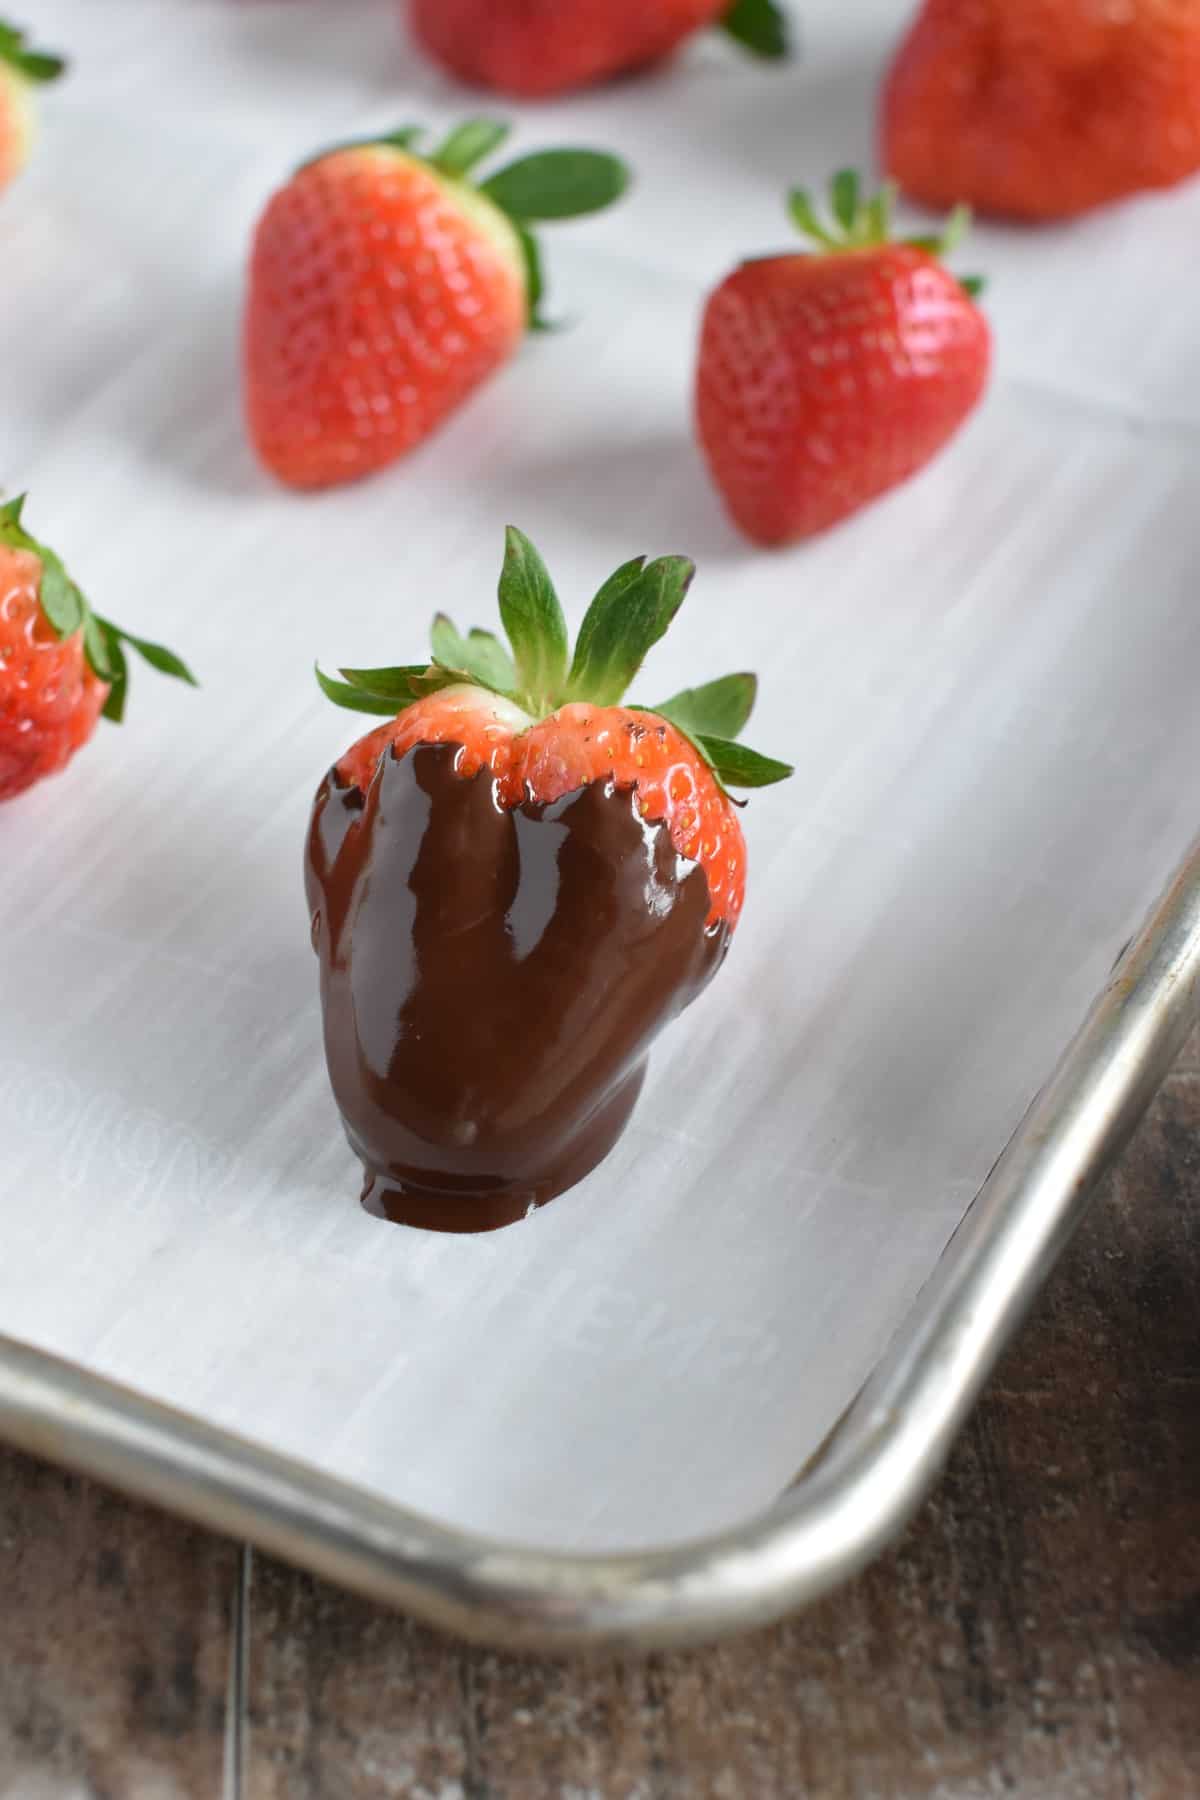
x: 852, y: 1498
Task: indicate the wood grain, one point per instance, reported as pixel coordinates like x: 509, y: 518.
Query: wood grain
x: 1037, y: 1632
x: 115, y: 1628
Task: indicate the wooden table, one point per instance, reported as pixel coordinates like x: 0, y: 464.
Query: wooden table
x: 1037, y: 1632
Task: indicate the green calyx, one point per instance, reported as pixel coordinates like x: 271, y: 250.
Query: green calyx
x: 859, y: 221
x: 67, y: 611
x: 34, y: 65
x: 546, y: 185
x: 758, y: 26
x: 538, y: 672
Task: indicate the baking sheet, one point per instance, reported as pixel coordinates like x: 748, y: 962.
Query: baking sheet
x: 987, y: 684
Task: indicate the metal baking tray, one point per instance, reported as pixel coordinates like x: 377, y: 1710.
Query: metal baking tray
x: 988, y: 682
x: 856, y: 1494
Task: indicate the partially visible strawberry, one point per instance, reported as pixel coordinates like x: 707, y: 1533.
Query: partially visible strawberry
x: 513, y: 885
x: 385, y: 286
x: 21, y: 70
x: 61, y: 664
x: 826, y: 378
x: 533, y: 48
x: 1038, y: 109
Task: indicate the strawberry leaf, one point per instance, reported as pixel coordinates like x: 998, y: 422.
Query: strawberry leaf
x: 877, y: 214
x: 491, y: 660
x: 607, y: 596
x: 434, y: 678
x: 445, y: 641
x: 735, y: 765
x: 758, y: 26
x: 61, y: 600
x: 35, y: 65
x: 95, y: 645
x: 843, y: 196
x: 117, y: 673
x: 955, y: 229
x: 403, y: 138
x: 480, y: 655
x: 535, y: 285
x: 629, y: 615
x: 804, y: 215
x: 718, y: 708
x: 386, y: 684
x: 940, y: 243
x: 533, y: 619
x: 357, y: 699
x: 557, y: 184
x: 468, y: 144
x: 157, y: 655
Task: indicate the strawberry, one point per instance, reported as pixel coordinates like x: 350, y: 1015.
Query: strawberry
x: 21, y: 70
x: 533, y: 48
x: 1037, y: 109
x: 61, y: 664
x: 385, y: 286
x: 514, y: 883
x: 823, y: 380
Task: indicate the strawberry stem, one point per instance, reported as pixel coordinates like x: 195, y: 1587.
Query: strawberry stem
x: 629, y: 614
x: 860, y: 222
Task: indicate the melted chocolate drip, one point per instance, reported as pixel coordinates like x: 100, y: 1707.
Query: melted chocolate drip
x: 492, y: 981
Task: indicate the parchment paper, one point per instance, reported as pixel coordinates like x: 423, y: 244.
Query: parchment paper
x: 988, y: 684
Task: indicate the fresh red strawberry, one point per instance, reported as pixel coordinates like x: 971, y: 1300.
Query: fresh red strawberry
x: 385, y: 286
x: 21, y: 71
x: 514, y: 883
x: 825, y: 379
x: 1037, y: 109
x: 532, y: 48
x: 61, y: 665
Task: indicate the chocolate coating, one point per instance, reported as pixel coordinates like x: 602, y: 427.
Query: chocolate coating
x: 492, y: 980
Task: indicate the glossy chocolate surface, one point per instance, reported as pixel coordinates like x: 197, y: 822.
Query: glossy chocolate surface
x: 492, y: 981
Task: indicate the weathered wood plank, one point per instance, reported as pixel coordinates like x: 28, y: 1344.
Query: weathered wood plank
x: 115, y: 1634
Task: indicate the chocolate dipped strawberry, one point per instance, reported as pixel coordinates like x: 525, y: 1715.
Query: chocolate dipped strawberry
x: 514, y: 884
